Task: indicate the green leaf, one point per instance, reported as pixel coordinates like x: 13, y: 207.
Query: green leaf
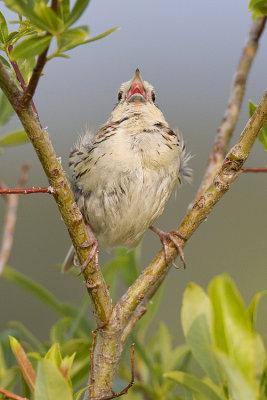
x: 8, y: 376
x: 102, y: 35
x: 54, y: 355
x: 27, y: 334
x: 58, y: 332
x: 31, y: 46
x: 5, y: 62
x: 152, y: 308
x: 32, y: 287
x: 252, y: 309
x: 263, y: 132
x: 24, y: 363
x: 14, y: 139
x: 79, y: 316
x: 196, y: 316
x: 233, y: 330
x: 30, y: 10
x: 43, y: 295
x: 3, y: 29
x: 64, y: 10
x: 71, y: 38
x: 50, y: 384
x: 258, y: 7
x: 26, y: 68
x: 78, y: 395
x: 6, y: 110
x: 131, y: 266
x: 252, y: 107
x: 53, y: 24
x: 194, y: 384
x: 76, y: 12
x: 238, y: 385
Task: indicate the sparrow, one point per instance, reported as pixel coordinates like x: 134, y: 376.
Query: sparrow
x: 123, y: 176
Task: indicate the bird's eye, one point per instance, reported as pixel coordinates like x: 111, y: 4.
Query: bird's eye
x: 119, y: 96
x: 153, y: 97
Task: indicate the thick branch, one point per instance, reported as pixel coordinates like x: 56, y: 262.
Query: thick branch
x: 62, y: 193
x: 225, y: 130
x: 149, y: 281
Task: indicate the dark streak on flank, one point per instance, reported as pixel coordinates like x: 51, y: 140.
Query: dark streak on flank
x: 99, y: 158
x: 82, y: 173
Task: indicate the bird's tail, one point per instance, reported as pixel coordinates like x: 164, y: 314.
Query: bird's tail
x: 185, y: 171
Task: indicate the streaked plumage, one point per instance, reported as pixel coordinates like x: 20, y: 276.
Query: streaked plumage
x: 123, y: 177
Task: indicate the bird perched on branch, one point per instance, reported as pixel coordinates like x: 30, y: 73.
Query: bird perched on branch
x: 123, y: 177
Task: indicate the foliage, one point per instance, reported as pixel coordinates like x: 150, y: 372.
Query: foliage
x: 38, y: 24
x: 258, y: 8
x: 263, y: 133
x: 219, y: 331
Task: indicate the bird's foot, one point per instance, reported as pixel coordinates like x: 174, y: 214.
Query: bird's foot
x: 94, y: 249
x: 165, y: 238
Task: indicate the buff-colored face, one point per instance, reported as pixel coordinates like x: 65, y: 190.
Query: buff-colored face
x: 136, y: 95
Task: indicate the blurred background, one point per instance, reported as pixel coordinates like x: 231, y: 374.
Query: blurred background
x: 189, y: 52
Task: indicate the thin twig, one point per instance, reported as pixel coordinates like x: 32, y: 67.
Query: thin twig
x: 12, y: 396
x: 11, y: 217
x: 48, y: 189
x: 249, y: 169
x: 20, y: 77
x: 130, y: 384
x: 36, y: 73
x: 225, y: 130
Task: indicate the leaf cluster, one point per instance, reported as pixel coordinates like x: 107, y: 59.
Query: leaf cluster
x: 220, y: 332
x: 38, y: 24
x: 221, y: 343
x: 258, y: 8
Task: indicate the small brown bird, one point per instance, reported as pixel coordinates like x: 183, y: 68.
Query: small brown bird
x: 123, y: 177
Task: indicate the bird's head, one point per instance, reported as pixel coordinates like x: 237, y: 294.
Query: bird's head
x: 136, y: 95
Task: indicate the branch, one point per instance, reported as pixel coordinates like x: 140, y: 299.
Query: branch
x: 62, y: 193
x: 10, y: 221
x: 12, y: 396
x: 20, y: 77
x: 36, y: 73
x: 254, y: 169
x: 148, y: 282
x: 48, y: 189
x: 225, y: 130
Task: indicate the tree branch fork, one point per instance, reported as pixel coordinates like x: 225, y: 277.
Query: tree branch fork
x: 115, y: 323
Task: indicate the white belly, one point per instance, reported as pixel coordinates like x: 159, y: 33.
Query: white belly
x: 128, y: 184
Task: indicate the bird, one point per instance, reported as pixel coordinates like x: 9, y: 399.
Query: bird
x: 123, y: 176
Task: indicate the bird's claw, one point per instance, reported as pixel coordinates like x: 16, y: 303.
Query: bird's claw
x: 165, y: 238
x: 94, y: 249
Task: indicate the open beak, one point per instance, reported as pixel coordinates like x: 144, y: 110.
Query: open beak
x: 137, y: 91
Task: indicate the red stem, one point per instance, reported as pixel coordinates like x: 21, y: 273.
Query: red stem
x: 27, y: 191
x: 254, y: 169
